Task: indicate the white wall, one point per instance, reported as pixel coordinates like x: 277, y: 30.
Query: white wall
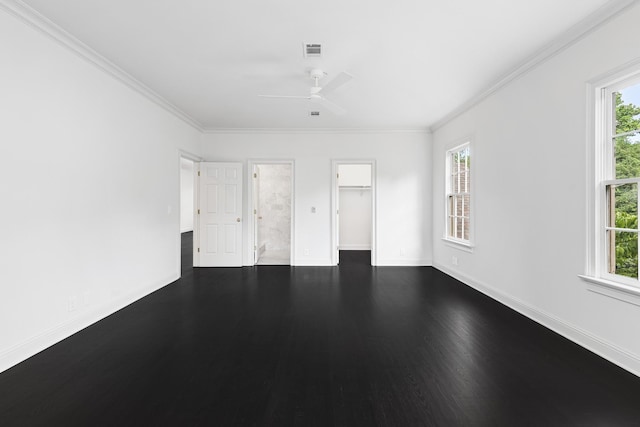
x: 186, y: 195
x: 98, y: 192
x: 355, y: 218
x: 354, y: 175
x: 403, y: 162
x: 529, y: 171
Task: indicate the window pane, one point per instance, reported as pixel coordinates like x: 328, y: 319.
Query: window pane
x: 466, y: 188
x: 452, y: 224
x: 457, y: 202
x: 464, y: 154
x: 459, y: 206
x: 623, y: 206
x: 623, y: 253
x: 458, y: 228
x: 466, y: 229
x: 466, y: 200
x: 627, y: 103
x: 627, y: 156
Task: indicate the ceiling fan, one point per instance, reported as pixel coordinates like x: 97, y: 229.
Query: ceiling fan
x: 317, y: 92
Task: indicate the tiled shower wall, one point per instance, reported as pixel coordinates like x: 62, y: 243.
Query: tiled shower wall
x: 274, y: 207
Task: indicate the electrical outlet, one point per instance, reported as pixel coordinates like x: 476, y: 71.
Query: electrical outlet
x: 403, y: 252
x: 306, y: 252
x: 454, y: 260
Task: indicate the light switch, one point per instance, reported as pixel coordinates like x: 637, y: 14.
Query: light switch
x: 313, y: 209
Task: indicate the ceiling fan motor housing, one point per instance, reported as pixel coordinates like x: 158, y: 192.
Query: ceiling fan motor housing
x: 317, y: 74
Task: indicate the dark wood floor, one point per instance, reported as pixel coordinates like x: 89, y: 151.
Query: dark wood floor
x: 317, y: 346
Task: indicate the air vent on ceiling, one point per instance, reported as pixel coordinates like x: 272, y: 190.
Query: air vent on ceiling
x: 314, y: 113
x: 312, y: 50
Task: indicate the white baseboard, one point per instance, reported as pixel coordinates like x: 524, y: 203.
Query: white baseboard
x: 611, y: 352
x: 15, y: 354
x: 403, y: 262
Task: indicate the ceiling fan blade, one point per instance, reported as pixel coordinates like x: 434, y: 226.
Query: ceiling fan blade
x: 334, y: 108
x: 285, y: 96
x: 338, y: 81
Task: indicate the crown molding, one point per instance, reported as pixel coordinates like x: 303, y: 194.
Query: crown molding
x: 34, y: 19
x: 570, y: 37
x: 424, y: 131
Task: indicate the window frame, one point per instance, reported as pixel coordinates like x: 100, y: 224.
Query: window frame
x: 464, y: 244
x: 600, y: 175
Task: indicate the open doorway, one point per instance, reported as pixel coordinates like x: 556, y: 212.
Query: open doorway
x: 272, y: 200
x: 354, y: 201
x: 187, y: 203
x: 187, y: 179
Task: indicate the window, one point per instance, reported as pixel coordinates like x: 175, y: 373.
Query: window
x: 618, y: 144
x: 458, y: 194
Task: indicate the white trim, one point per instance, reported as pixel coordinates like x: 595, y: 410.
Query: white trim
x: 15, y: 354
x: 570, y: 37
x: 252, y: 131
x: 189, y: 156
x: 251, y: 163
x: 619, y: 356
x: 34, y: 19
x: 457, y: 146
x: 457, y: 244
x: 404, y: 262
x: 335, y: 194
x: 621, y: 181
x: 598, y: 168
x: 612, y: 289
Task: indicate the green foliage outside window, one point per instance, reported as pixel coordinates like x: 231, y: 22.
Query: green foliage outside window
x: 627, y: 155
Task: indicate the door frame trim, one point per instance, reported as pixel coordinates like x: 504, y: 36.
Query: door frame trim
x: 251, y: 232
x: 334, y: 203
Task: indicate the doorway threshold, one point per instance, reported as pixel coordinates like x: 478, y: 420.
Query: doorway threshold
x: 274, y: 258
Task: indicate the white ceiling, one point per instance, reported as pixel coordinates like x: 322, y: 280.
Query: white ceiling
x: 414, y: 61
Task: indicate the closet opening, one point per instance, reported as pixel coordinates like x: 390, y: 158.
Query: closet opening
x: 354, y: 199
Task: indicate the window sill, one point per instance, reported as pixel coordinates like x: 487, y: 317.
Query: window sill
x: 463, y: 246
x: 611, y: 289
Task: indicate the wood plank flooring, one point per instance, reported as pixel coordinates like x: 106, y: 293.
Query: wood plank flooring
x: 317, y: 346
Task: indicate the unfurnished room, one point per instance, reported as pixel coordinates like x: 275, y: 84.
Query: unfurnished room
x: 338, y: 213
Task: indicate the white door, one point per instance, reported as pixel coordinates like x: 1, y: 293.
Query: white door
x: 256, y: 223
x: 337, y: 230
x: 220, y: 214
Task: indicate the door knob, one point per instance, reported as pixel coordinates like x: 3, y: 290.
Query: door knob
x: 237, y: 219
